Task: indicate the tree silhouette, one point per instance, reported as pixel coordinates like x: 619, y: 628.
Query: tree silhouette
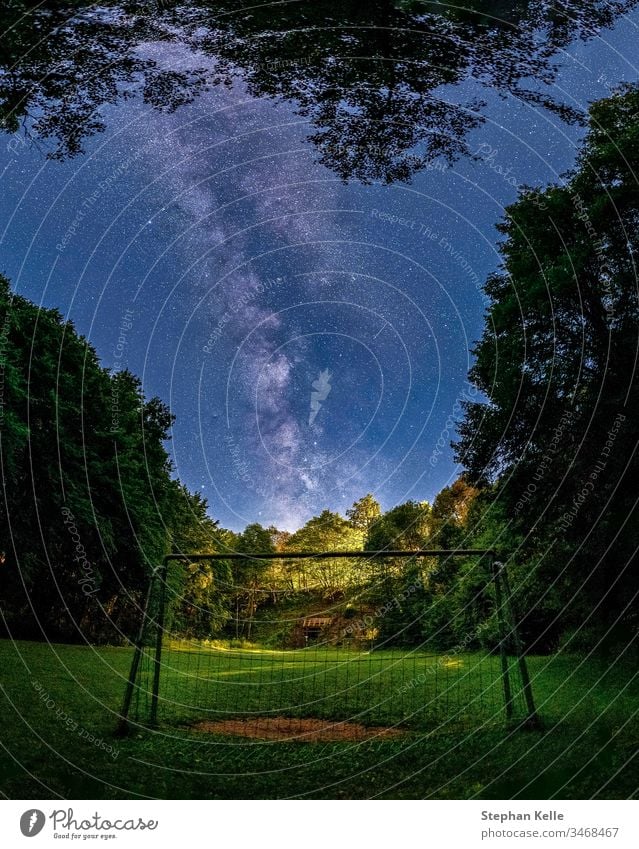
x: 374, y: 81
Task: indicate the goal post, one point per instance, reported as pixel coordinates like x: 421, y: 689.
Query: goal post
x: 151, y: 637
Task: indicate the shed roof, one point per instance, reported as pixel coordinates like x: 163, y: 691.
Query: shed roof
x: 317, y: 621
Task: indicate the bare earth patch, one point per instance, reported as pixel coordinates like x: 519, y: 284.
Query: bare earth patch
x: 299, y: 730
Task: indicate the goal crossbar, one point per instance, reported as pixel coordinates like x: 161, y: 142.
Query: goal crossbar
x: 498, y: 571
x: 327, y: 555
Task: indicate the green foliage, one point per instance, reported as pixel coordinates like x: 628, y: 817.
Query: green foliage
x: 403, y: 527
x: 248, y: 577
x: 199, y: 592
x: 84, y: 459
x: 364, y: 513
x: 556, y: 363
x: 89, y: 503
x: 449, y: 515
x: 396, y: 589
x: 327, y: 532
x: 43, y: 757
x: 369, y: 120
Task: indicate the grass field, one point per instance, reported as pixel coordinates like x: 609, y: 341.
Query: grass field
x: 417, y: 690
x: 60, y: 707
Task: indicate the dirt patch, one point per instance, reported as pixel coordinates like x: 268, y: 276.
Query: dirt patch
x: 299, y: 730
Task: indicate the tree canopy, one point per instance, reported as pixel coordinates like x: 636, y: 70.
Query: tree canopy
x: 89, y: 502
x: 556, y: 435
x: 370, y: 79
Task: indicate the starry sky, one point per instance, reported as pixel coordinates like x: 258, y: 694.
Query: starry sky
x: 312, y: 337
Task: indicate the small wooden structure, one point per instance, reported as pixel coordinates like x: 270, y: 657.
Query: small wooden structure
x: 312, y: 626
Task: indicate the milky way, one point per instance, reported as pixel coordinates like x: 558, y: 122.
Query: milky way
x: 312, y: 337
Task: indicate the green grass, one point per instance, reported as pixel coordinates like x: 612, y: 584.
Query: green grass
x: 418, y: 690
x: 54, y: 697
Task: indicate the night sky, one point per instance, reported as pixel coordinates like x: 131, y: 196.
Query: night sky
x: 312, y: 338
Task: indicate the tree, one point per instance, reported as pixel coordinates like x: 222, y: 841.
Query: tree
x: 367, y: 78
x: 89, y: 506
x: 406, y: 526
x: 364, y: 513
x: 200, y: 591
x: 327, y: 532
x: 556, y: 363
x: 249, y: 574
x: 450, y: 513
x: 63, y: 63
x: 397, y: 586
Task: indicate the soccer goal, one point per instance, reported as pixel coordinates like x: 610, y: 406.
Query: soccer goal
x: 327, y: 645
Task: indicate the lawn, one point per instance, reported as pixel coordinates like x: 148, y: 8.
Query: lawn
x: 61, y: 703
x: 417, y: 690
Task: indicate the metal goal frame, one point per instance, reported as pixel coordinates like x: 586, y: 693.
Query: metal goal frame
x: 507, y: 618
